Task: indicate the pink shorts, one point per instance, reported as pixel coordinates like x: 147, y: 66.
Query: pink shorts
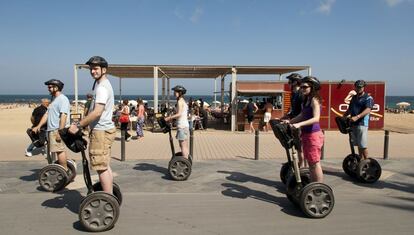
x: 312, y: 145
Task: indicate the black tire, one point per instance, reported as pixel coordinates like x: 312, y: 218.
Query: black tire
x: 350, y: 165
x: 369, y: 171
x: 179, y: 168
x: 293, y: 190
x: 284, y: 172
x: 99, y: 212
x: 53, y: 177
x: 317, y: 200
x: 97, y: 187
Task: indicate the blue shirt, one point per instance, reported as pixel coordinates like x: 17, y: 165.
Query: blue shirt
x: 60, y: 104
x: 357, y: 105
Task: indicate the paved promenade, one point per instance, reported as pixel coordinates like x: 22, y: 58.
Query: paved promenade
x: 212, y: 144
x: 238, y: 196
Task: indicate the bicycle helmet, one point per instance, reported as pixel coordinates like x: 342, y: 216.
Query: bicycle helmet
x: 294, y: 77
x: 179, y: 88
x: 97, y: 61
x: 313, y: 81
x: 360, y: 83
x: 55, y: 82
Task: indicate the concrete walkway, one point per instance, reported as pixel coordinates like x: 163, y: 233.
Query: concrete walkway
x: 213, y: 144
x: 239, y: 196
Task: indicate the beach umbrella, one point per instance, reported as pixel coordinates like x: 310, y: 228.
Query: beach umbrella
x: 205, y: 103
x: 244, y: 101
x: 133, y: 102
x: 403, y: 104
x: 216, y: 102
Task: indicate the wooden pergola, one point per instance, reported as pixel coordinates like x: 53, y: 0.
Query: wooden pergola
x: 168, y: 72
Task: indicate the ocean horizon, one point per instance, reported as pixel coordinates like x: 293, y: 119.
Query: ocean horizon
x: 390, y: 101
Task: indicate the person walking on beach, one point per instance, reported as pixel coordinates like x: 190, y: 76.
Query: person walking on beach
x: 182, y: 119
x: 268, y: 107
x: 140, y: 119
x: 250, y: 108
x: 124, y: 119
x: 37, y: 115
x: 359, y: 108
x: 308, y: 121
x: 57, y: 118
x: 99, y: 119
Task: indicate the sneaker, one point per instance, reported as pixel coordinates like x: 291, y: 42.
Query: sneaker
x: 28, y: 154
x: 129, y: 138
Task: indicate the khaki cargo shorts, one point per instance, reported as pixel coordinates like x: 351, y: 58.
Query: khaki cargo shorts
x: 55, y: 147
x: 100, y: 143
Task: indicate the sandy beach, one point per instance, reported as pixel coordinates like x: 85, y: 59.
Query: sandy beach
x: 213, y: 144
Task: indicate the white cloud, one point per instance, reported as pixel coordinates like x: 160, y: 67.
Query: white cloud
x: 195, y: 17
x: 325, y: 6
x: 178, y: 13
x: 393, y: 3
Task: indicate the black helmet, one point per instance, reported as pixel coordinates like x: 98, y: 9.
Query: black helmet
x: 179, y: 88
x: 312, y: 80
x: 55, y: 82
x: 97, y: 61
x: 294, y: 77
x: 360, y: 83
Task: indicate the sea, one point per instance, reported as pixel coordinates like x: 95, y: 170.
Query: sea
x: 26, y: 99
x: 390, y: 101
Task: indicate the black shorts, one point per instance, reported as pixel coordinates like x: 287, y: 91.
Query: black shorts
x: 250, y: 118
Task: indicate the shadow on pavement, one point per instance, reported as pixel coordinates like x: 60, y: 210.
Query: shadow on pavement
x: 153, y: 167
x: 242, y: 178
x: 33, y: 177
x: 243, y: 192
x: 69, y: 199
x: 380, y: 184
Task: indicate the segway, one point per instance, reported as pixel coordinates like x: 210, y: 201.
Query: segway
x: 316, y: 200
x: 54, y: 177
x: 179, y: 167
x: 366, y: 171
x: 98, y: 211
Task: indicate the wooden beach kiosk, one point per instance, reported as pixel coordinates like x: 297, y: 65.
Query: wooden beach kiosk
x: 167, y: 72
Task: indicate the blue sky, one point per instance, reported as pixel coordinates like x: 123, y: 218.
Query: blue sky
x: 340, y: 39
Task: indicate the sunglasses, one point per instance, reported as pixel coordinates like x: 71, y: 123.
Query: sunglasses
x: 48, y: 87
x: 304, y: 87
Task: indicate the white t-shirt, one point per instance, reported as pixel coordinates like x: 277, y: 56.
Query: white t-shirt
x: 104, y: 94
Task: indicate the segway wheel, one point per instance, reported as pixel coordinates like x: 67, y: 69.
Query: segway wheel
x: 97, y: 187
x: 293, y: 189
x: 53, y: 177
x: 369, y: 171
x: 179, y: 168
x: 71, y: 169
x: 350, y: 165
x: 284, y: 171
x: 317, y: 200
x: 99, y: 212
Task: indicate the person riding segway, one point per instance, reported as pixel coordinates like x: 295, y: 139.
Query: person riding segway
x: 101, y: 137
x: 296, y: 99
x: 180, y: 164
x: 365, y: 169
x: 57, y: 175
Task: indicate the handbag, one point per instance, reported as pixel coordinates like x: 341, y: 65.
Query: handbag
x: 124, y: 119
